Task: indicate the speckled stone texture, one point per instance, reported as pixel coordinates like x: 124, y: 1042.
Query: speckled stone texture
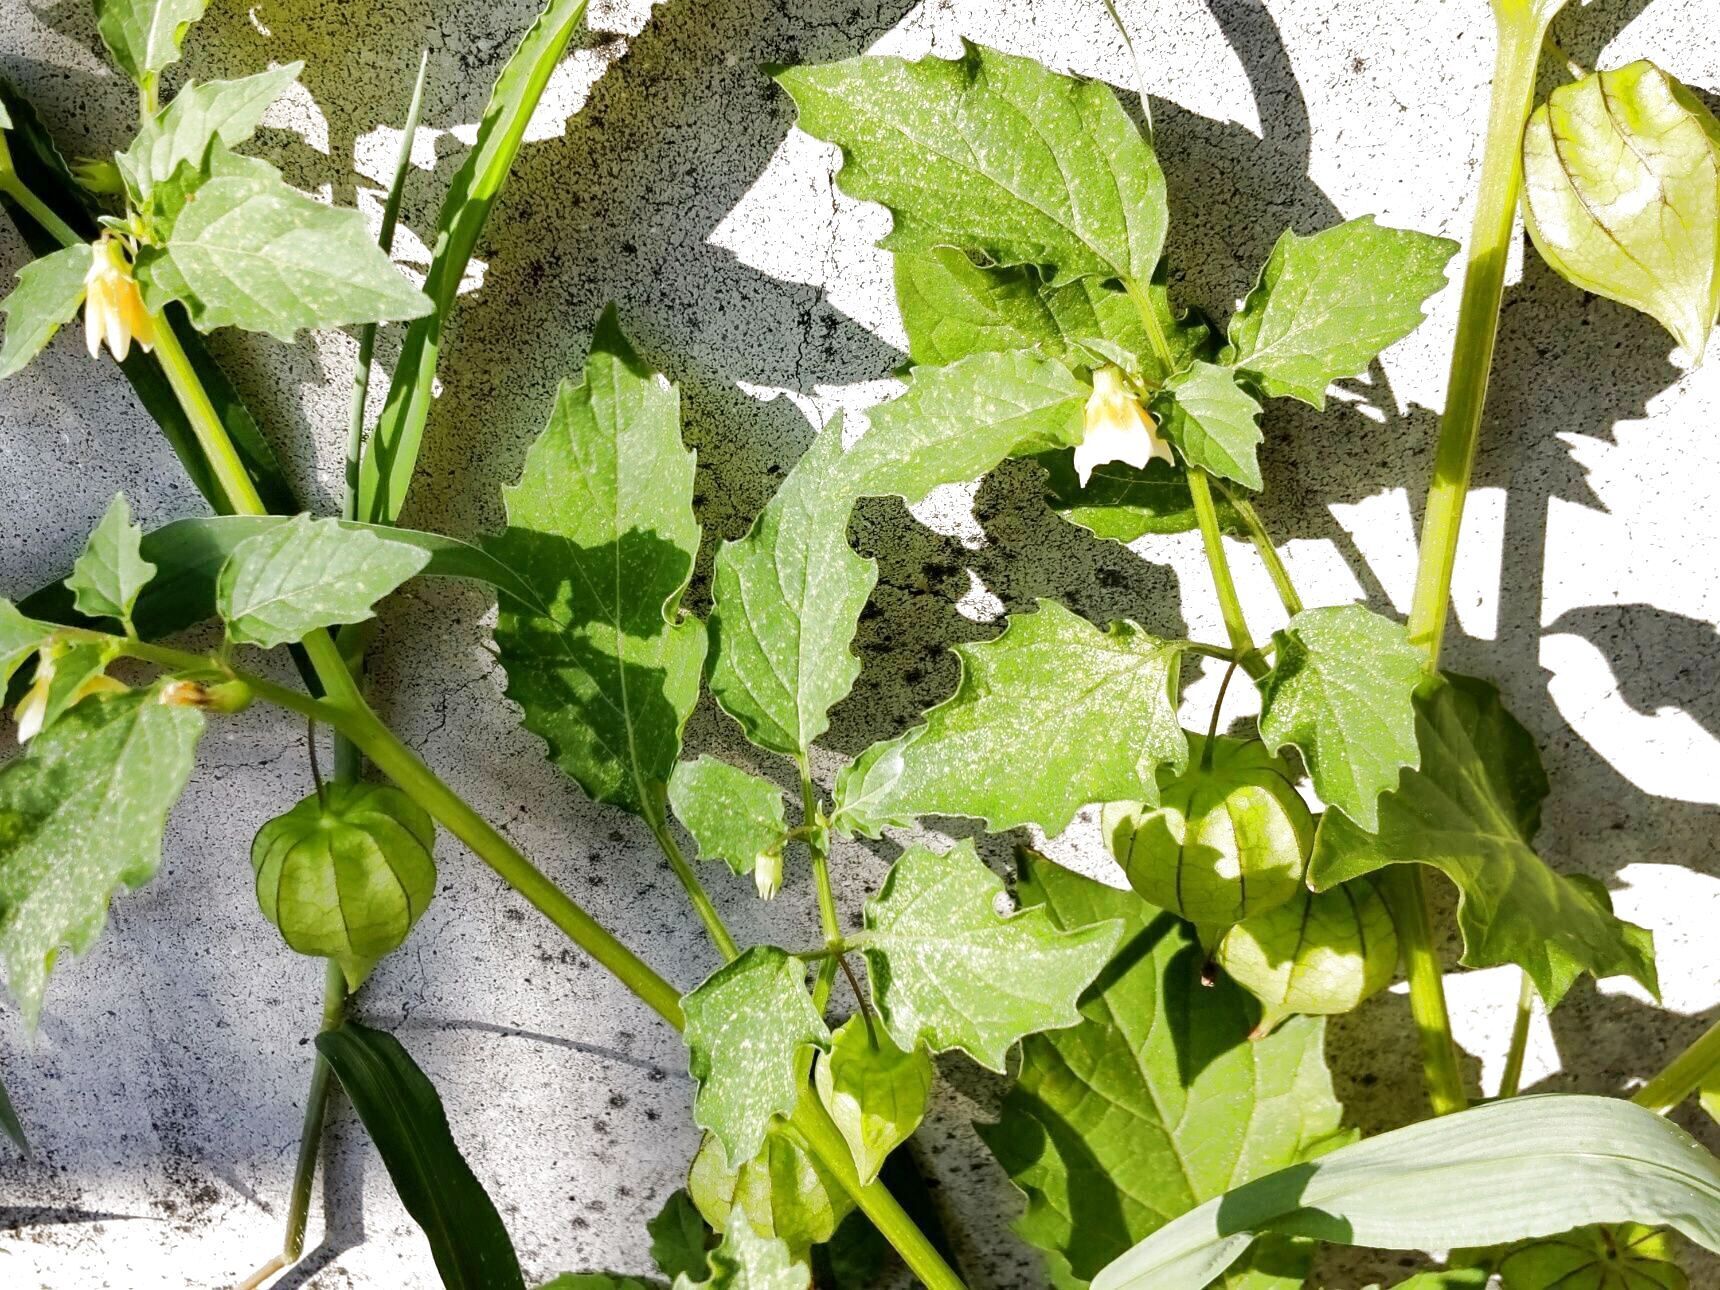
x: 163, y: 1092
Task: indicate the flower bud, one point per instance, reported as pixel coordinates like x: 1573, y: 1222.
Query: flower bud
x: 1621, y: 175
x: 1321, y: 953
x: 1228, y: 840
x: 229, y: 695
x: 347, y: 875
x: 114, y: 312
x: 767, y: 873
x: 1118, y: 428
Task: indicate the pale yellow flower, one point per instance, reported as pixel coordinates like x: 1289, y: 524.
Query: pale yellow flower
x: 1118, y: 428
x: 767, y: 873
x: 114, y: 313
x: 32, y: 710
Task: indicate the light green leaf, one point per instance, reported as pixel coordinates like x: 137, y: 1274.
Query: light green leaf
x: 598, y: 1281
x: 1050, y: 716
x: 680, y: 1240
x: 1327, y: 305
x: 876, y: 1092
x: 784, y: 1192
x: 391, y: 454
x: 995, y: 154
x: 1626, y: 1256
x: 108, y: 576
x: 280, y: 585
x: 46, y: 298
x: 787, y: 600
x: 72, y: 674
x: 201, y: 113
x: 251, y: 252
x: 946, y: 968
x: 748, y: 1261
x: 20, y: 637
x: 1342, y: 690
x: 1213, y: 421
x: 1443, y: 1279
x: 1621, y: 192
x: 1526, y: 1166
x: 734, y: 816
x: 1156, y: 1101
x: 81, y: 815
x: 747, y: 1027
x: 957, y: 422
x: 144, y: 36
x: 601, y: 527
x: 1471, y: 812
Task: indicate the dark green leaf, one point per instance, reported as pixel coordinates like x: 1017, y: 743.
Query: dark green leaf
x: 108, y: 576
x: 9, y: 1122
x: 601, y: 527
x: 404, y: 1118
x: 599, y: 1281
x: 748, y: 1261
x: 391, y: 455
x: 82, y: 813
x: 1626, y: 1256
x: 680, y: 1239
x: 46, y: 298
x: 1156, y: 1101
x: 1471, y: 811
x: 995, y: 154
x: 1122, y: 502
x: 946, y: 968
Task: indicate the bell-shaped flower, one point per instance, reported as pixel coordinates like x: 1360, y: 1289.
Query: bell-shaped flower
x: 1118, y: 427
x: 114, y: 313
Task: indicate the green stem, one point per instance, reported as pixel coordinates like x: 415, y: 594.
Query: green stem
x: 1407, y: 894
x: 34, y: 206
x: 1264, y: 545
x: 1684, y: 1076
x: 696, y: 893
x: 827, y: 916
x: 1235, y: 624
x: 820, y: 1136
x: 1512, y: 1080
x: 206, y: 423
x: 316, y: 1108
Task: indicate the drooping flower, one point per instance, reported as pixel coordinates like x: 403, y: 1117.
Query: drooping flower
x: 1118, y: 427
x: 114, y: 312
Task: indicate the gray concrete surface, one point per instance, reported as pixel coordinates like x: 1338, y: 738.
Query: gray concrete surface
x: 163, y: 1092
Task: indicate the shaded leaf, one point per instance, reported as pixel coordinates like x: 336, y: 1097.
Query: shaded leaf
x: 875, y: 1092
x: 404, y: 1117
x: 82, y: 813
x: 9, y: 1121
x: 946, y: 968
x: 1628, y: 1256
x: 992, y: 153
x: 680, y: 1240
x: 1213, y: 421
x: 748, y: 1261
x: 1155, y: 1101
x: 1123, y: 502
x: 46, y: 298
x: 601, y: 527
x: 734, y: 816
x: 1326, y: 305
x: 1050, y: 716
x: 144, y: 36
x: 281, y: 584
x: 784, y: 1193
x: 1472, y: 811
x: 599, y: 1281
x: 1526, y: 1166
x: 747, y: 1026
x: 108, y: 576
x: 1342, y: 689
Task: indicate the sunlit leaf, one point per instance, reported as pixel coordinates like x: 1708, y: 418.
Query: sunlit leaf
x: 46, y: 298
x: 875, y: 1092
x: 144, y: 36
x: 109, y: 575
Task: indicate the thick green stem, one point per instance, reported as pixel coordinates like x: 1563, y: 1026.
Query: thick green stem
x: 696, y: 893
x: 206, y: 423
x: 1511, y: 1082
x: 1684, y: 1076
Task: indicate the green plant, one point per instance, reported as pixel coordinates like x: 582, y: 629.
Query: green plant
x: 1171, y: 1120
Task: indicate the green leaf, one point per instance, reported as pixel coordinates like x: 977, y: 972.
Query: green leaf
x: 1471, y: 812
x: 280, y: 585
x: 680, y: 1240
x: 598, y: 1281
x: 1628, y: 1256
x: 784, y: 1193
x: 9, y: 1121
x: 1155, y: 1101
x: 68, y: 676
x: 947, y: 969
x: 1122, y: 502
x: 1050, y: 716
x: 1327, y: 305
x: 993, y: 154
x: 46, y: 298
x: 955, y: 423
x: 19, y: 638
x: 746, y: 1028
x: 251, y: 252
x: 81, y: 815
x: 404, y: 1117
x: 786, y: 603
x: 144, y: 36
x: 190, y: 553
x: 855, y: 1258
x: 1213, y: 421
x: 734, y: 816
x: 601, y: 527
x: 108, y: 576
x: 201, y: 112
x: 875, y: 1092
x: 1526, y: 1166
x: 1342, y: 690
x: 391, y: 454
x: 748, y: 1261
x: 1621, y: 171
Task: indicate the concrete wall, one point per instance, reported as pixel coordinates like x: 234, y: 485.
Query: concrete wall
x: 163, y: 1092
